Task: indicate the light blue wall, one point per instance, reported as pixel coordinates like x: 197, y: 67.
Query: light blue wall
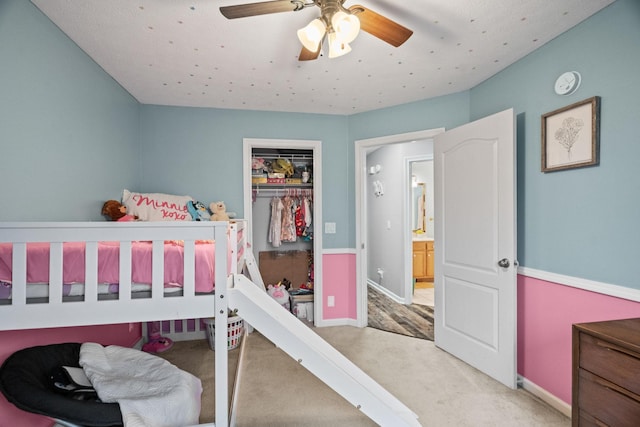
x: 68, y: 131
x: 198, y: 151
x: 71, y: 137
x: 581, y: 222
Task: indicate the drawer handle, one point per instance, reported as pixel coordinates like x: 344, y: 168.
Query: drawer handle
x: 610, y: 347
x: 607, y: 385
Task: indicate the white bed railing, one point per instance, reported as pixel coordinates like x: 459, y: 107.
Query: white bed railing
x: 21, y: 314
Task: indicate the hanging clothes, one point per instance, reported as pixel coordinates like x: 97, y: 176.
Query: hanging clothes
x: 308, y: 220
x: 288, y: 231
x: 299, y: 218
x: 275, y: 225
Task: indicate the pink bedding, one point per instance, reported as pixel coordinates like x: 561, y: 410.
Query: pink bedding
x: 108, y: 263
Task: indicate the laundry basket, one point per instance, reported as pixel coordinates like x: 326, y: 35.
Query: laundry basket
x: 235, y: 328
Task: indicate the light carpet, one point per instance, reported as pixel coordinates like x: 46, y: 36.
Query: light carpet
x: 197, y: 358
x: 440, y: 389
x: 443, y: 391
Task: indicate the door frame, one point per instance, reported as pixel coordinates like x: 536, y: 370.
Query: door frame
x: 408, y: 229
x: 248, y: 144
x: 362, y: 148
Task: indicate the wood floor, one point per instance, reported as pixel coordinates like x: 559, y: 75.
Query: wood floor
x: 415, y: 320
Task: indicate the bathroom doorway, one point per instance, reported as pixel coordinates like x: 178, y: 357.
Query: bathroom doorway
x: 401, y: 291
x: 421, y: 225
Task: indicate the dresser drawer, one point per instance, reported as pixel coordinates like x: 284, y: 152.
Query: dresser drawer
x: 606, y: 403
x: 611, y: 362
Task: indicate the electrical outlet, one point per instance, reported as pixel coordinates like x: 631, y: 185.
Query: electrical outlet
x: 331, y: 301
x: 330, y: 228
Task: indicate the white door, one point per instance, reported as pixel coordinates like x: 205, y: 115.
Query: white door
x: 475, y: 245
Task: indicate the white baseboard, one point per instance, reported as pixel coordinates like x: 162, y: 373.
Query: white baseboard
x: 337, y: 322
x: 548, y: 398
x: 385, y: 292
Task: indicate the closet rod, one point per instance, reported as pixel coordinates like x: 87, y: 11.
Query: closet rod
x: 293, y: 192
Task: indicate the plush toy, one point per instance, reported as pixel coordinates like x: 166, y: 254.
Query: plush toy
x: 116, y: 211
x: 219, y: 211
x: 280, y: 294
x: 198, y: 211
x: 258, y: 165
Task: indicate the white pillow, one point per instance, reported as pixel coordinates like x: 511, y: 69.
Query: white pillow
x: 156, y: 206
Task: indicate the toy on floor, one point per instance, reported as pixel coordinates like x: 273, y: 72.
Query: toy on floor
x: 280, y: 294
x: 157, y: 343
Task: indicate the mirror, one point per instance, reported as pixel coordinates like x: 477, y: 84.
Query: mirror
x: 418, y: 207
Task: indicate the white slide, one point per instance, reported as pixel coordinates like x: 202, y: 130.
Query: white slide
x: 296, y: 339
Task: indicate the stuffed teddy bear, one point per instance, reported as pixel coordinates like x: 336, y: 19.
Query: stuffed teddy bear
x: 280, y: 294
x: 116, y: 211
x: 198, y: 211
x: 219, y: 211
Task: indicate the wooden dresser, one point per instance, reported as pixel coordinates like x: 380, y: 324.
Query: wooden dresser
x: 606, y: 373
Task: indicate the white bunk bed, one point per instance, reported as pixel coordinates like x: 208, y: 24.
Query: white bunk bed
x: 154, y: 304
x: 232, y: 290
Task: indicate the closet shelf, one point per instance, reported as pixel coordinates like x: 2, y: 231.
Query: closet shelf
x: 293, y: 157
x: 275, y: 185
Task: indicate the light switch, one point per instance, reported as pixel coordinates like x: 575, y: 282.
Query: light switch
x: 330, y: 228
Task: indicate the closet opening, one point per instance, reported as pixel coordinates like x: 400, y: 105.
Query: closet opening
x: 282, y: 183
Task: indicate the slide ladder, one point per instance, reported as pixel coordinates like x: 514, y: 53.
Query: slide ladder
x: 300, y: 342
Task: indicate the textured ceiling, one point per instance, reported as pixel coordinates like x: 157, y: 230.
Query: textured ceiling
x: 185, y: 53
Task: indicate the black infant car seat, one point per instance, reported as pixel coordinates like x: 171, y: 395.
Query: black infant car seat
x: 25, y: 380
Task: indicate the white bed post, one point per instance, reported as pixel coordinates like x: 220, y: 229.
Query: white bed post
x: 221, y: 313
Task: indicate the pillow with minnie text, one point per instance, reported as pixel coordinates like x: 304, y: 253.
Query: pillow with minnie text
x: 156, y: 206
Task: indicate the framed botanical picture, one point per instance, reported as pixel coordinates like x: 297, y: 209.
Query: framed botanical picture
x: 571, y: 136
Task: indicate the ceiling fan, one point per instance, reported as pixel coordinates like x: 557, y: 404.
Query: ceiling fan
x: 337, y: 24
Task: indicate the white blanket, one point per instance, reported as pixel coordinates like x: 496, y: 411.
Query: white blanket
x: 151, y: 392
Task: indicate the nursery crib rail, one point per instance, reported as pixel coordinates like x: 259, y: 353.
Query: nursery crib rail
x: 20, y: 313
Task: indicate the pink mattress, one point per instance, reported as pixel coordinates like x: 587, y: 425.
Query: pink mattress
x: 108, y: 263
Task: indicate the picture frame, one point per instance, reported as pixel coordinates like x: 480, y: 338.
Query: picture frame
x: 571, y: 136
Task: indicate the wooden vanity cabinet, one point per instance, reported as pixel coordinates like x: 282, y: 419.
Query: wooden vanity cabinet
x: 606, y: 373
x: 423, y: 260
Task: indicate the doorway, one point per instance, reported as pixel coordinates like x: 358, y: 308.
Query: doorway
x: 315, y: 149
x: 362, y: 149
x: 421, y: 226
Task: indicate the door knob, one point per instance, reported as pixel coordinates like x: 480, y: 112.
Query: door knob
x: 504, y: 263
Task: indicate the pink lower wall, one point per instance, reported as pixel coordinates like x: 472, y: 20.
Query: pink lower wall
x: 338, y: 280
x: 546, y: 312
x: 125, y: 335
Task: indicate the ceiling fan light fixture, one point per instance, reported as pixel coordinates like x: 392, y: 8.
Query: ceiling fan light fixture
x: 346, y: 26
x: 311, y: 35
x: 337, y: 46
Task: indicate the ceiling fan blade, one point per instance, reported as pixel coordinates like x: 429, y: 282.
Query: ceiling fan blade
x: 262, y: 8
x: 307, y: 55
x: 380, y: 26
